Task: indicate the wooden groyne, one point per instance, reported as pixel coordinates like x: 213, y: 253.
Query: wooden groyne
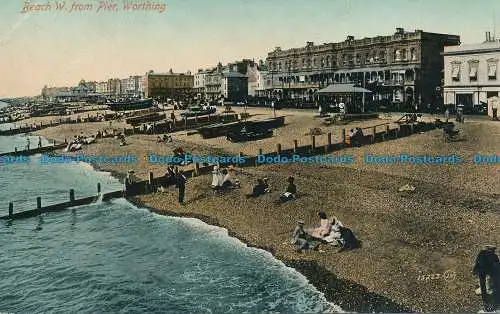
x: 36, y: 127
x: 34, y: 151
x: 169, y: 126
x: 72, y: 202
x: 380, y: 132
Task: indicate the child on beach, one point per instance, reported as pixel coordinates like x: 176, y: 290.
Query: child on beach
x: 291, y: 191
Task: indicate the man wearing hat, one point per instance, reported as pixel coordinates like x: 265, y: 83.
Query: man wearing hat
x: 487, y: 264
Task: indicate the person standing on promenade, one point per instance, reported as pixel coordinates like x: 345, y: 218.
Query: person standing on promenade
x: 447, y: 114
x: 181, y: 185
x: 27, y: 143
x: 39, y: 142
x: 487, y: 264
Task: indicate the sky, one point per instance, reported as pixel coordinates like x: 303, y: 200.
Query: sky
x: 59, y: 48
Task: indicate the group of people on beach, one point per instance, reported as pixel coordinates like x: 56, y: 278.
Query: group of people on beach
x: 262, y: 187
x: 165, y: 139
x: 174, y: 177
x: 221, y: 180
x: 329, y: 231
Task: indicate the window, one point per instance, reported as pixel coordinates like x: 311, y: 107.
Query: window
x: 413, y: 55
x: 492, y: 71
x: 455, y: 73
x: 473, y: 73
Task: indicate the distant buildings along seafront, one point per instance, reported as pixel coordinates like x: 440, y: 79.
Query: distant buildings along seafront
x: 412, y: 68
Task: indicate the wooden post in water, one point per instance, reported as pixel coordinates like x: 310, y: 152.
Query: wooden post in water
x: 65, y: 141
x: 71, y: 196
x: 295, y: 146
x: 329, y: 146
x: 150, y: 179
x: 342, y: 137
x: 278, y: 149
x: 374, y: 134
x: 15, y: 149
x: 54, y: 142
x: 313, y: 142
x: 11, y: 210
x: 38, y: 203
x: 98, y: 189
x: 260, y: 151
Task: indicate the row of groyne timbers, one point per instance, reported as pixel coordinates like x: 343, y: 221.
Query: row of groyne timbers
x: 158, y: 127
x: 380, y: 132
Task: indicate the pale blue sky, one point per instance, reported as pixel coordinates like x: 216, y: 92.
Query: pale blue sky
x: 57, y: 48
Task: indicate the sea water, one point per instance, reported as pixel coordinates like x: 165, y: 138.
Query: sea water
x: 112, y: 257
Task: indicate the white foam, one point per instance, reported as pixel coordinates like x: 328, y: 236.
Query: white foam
x: 219, y: 232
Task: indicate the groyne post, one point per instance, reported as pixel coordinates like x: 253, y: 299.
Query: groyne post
x: 374, y: 134
x: 15, y: 149
x: 295, y: 146
x: 71, y: 196
x: 98, y: 188
x: 329, y: 146
x: 54, y: 142
x: 387, y: 131
x: 11, y: 210
x: 150, y: 181
x: 65, y: 141
x: 313, y: 142
x: 260, y: 151
x: 342, y: 137
x: 278, y: 149
x: 38, y: 203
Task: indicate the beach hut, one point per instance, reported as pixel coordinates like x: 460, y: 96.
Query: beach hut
x: 493, y: 107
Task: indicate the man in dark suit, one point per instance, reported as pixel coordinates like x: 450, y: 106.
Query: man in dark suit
x: 487, y: 264
x: 181, y: 185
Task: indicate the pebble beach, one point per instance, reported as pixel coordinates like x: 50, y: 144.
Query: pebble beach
x: 438, y: 227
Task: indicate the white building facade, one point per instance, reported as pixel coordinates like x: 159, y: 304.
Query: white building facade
x: 102, y: 87
x: 471, y: 73
x: 199, y: 83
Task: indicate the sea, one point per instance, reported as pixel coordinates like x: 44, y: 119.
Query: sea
x: 115, y: 257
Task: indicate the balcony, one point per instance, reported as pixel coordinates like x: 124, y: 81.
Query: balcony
x: 294, y: 85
